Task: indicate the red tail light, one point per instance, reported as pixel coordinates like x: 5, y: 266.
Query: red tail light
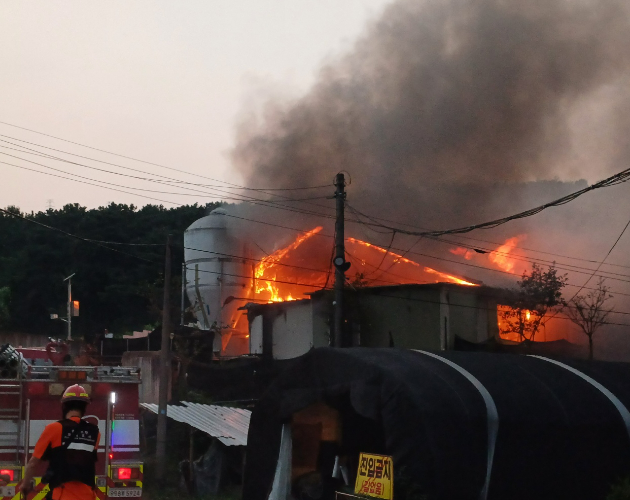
x: 111, y: 455
x: 125, y: 473
x: 8, y: 472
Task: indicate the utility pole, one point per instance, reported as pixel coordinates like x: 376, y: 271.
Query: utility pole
x: 160, y: 451
x: 69, y: 306
x: 340, y: 260
x: 181, y: 318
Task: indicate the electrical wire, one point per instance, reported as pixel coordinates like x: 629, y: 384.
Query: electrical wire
x: 157, y: 164
x: 603, y: 260
x: 86, y: 240
x: 89, y: 183
x: 311, y: 285
x: 241, y: 257
x: 286, y: 227
x: 231, y: 196
x: 530, y: 260
x: 520, y: 258
x: 497, y: 243
x: 160, y: 178
x: 391, y: 242
x: 613, y: 180
x: 101, y: 243
x: 373, y: 218
x: 406, y: 251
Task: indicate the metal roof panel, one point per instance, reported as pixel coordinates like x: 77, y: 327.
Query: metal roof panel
x: 229, y: 425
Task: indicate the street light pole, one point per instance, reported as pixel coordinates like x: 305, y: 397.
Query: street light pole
x: 165, y: 368
x: 69, y: 306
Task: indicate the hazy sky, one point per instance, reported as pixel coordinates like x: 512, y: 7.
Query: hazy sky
x: 160, y: 81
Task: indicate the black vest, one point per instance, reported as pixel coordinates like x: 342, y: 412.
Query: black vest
x: 74, y: 461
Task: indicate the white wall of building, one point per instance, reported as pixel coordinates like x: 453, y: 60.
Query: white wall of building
x: 293, y: 331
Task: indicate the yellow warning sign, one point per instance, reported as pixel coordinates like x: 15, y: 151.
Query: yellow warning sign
x: 375, y: 476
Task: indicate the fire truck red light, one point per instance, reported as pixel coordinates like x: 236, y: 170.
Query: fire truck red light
x: 124, y: 473
x: 111, y: 455
x: 8, y: 472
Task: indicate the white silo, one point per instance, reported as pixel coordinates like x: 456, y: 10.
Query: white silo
x: 220, y: 261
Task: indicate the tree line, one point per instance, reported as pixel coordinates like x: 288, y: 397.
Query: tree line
x: 118, y: 290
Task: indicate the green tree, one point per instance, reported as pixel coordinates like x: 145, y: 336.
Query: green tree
x: 539, y: 293
x: 589, y: 311
x: 116, y: 288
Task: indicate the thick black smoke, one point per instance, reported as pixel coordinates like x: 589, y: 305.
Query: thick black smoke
x: 452, y: 112
x: 441, y: 103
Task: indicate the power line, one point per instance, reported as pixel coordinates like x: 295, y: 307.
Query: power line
x: 521, y: 258
x: 391, y: 242
x: 261, y: 202
x: 531, y: 260
x: 231, y: 196
x: 156, y: 164
x: 309, y: 285
x: 613, y: 180
x: 88, y: 183
x: 609, y: 252
x: 501, y: 270
x: 295, y: 229
x: 241, y: 257
x: 235, y: 186
x: 476, y: 247
x: 265, y: 202
x: 220, y: 189
x: 312, y: 285
x: 70, y: 235
x: 531, y: 250
x: 101, y: 243
x: 410, y: 252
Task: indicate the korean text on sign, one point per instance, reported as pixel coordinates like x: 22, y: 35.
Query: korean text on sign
x: 375, y: 476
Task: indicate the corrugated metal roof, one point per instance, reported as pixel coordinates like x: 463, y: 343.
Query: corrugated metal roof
x: 229, y: 425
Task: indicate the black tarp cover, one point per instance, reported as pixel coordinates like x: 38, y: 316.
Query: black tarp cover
x: 558, y: 435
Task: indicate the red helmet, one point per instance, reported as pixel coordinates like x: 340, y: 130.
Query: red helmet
x: 75, y: 393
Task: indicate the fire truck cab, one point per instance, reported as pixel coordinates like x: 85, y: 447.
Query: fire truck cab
x: 30, y: 397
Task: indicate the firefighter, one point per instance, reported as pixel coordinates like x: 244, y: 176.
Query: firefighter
x: 69, y: 446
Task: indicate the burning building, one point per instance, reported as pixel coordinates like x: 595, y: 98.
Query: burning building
x: 279, y: 304
x: 413, y: 316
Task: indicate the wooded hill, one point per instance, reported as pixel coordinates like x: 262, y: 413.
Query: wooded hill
x: 117, y: 290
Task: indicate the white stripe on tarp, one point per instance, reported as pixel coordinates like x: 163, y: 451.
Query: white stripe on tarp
x: 621, y: 408
x: 81, y: 446
x: 491, y: 412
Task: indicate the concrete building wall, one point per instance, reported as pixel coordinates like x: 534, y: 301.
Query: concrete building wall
x: 292, y: 331
x: 411, y: 318
x: 473, y: 315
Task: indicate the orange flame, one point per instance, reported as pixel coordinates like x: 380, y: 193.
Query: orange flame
x: 264, y: 281
x: 399, y: 258
x: 500, y: 256
x: 467, y: 254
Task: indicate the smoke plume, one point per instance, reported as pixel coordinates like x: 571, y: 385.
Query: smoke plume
x: 441, y: 105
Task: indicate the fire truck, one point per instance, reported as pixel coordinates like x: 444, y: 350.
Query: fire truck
x: 30, y: 394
